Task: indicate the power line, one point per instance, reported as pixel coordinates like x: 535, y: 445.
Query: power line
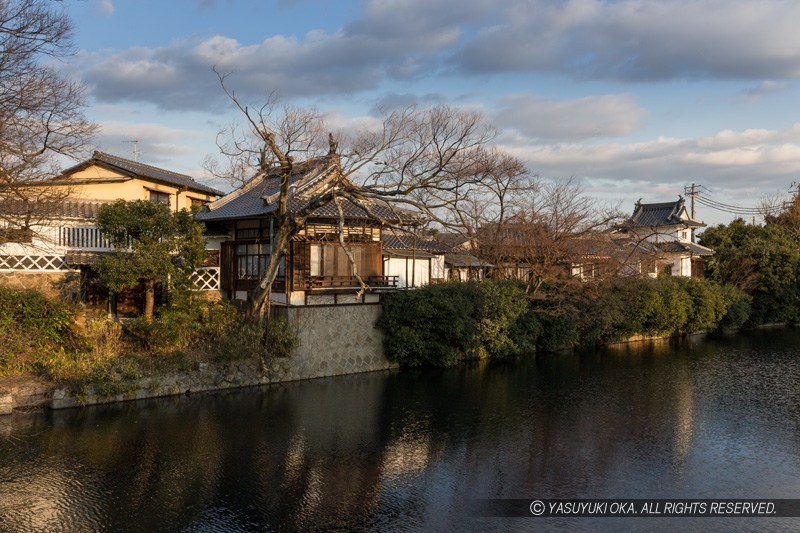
x: 713, y: 204
x: 701, y: 195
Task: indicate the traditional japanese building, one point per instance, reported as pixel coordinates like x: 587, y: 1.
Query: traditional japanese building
x: 316, y: 269
x: 669, y: 229
x: 48, y: 232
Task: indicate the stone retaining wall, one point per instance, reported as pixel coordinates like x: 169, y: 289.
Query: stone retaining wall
x: 23, y: 392
x: 336, y: 340
x: 205, y: 377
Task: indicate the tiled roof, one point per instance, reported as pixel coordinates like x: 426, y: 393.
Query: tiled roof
x: 52, y: 209
x: 140, y: 170
x: 465, y: 260
x: 408, y: 242
x: 678, y: 247
x: 660, y: 214
x: 259, y: 197
x: 83, y: 258
x: 452, y: 240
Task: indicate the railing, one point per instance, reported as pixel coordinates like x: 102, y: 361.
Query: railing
x: 206, y: 279
x: 83, y: 238
x: 329, y: 283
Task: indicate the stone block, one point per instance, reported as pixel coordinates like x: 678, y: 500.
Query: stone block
x: 6, y: 404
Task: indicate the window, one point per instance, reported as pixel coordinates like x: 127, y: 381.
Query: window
x: 249, y: 229
x: 331, y: 260
x: 252, y: 260
x: 159, y: 197
x: 197, y: 202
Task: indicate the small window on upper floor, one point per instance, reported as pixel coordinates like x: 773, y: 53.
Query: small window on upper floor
x: 197, y: 202
x: 159, y: 197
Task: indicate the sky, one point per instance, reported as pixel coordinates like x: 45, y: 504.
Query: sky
x: 632, y: 98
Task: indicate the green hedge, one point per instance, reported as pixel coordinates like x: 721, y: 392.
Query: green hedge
x: 593, y: 314
x: 446, y: 323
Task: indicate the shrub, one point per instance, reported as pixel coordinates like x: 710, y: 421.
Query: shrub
x: 445, y: 323
x: 559, y: 331
x: 102, y: 334
x: 524, y: 334
x: 501, y: 305
x: 737, y: 305
x: 280, y: 339
x: 34, y: 328
x: 435, y: 325
x: 194, y: 323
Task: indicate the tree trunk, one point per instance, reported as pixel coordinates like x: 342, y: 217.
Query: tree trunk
x: 149, y: 299
x: 259, y: 302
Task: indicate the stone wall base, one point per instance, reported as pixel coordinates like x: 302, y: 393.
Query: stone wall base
x: 24, y: 392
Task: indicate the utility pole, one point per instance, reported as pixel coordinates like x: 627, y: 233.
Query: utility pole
x: 691, y: 192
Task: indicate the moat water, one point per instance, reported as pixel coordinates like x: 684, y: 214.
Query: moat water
x: 412, y: 450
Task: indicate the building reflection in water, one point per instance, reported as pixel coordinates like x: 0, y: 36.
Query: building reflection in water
x: 409, y: 449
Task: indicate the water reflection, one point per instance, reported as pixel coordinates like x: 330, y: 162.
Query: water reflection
x: 408, y: 450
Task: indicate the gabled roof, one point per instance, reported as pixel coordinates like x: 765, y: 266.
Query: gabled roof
x: 259, y: 197
x: 661, y: 214
x: 51, y: 209
x: 134, y: 169
x: 511, y: 239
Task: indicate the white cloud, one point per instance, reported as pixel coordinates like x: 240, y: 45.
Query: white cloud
x: 751, y: 163
x: 582, y: 118
x: 628, y: 40
x: 103, y: 7
x: 398, y: 40
x: 636, y: 40
x: 158, y: 144
x: 146, y: 130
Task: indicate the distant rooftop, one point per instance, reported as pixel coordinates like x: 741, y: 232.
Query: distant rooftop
x: 661, y: 214
x: 140, y: 170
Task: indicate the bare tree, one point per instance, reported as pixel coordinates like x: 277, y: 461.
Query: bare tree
x: 40, y: 111
x: 540, y: 241
x: 420, y: 159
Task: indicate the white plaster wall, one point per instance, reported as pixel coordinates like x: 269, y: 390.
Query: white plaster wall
x: 410, y: 271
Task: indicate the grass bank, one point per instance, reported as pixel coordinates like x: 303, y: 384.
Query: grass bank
x: 76, y: 349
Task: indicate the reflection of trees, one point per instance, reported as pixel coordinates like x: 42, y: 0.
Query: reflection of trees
x: 559, y: 427
x: 304, y: 456
x: 378, y: 450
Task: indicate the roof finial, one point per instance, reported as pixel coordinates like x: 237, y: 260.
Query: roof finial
x: 333, y: 146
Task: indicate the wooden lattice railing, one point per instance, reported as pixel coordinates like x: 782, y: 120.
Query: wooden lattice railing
x: 206, y: 279
x: 32, y: 263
